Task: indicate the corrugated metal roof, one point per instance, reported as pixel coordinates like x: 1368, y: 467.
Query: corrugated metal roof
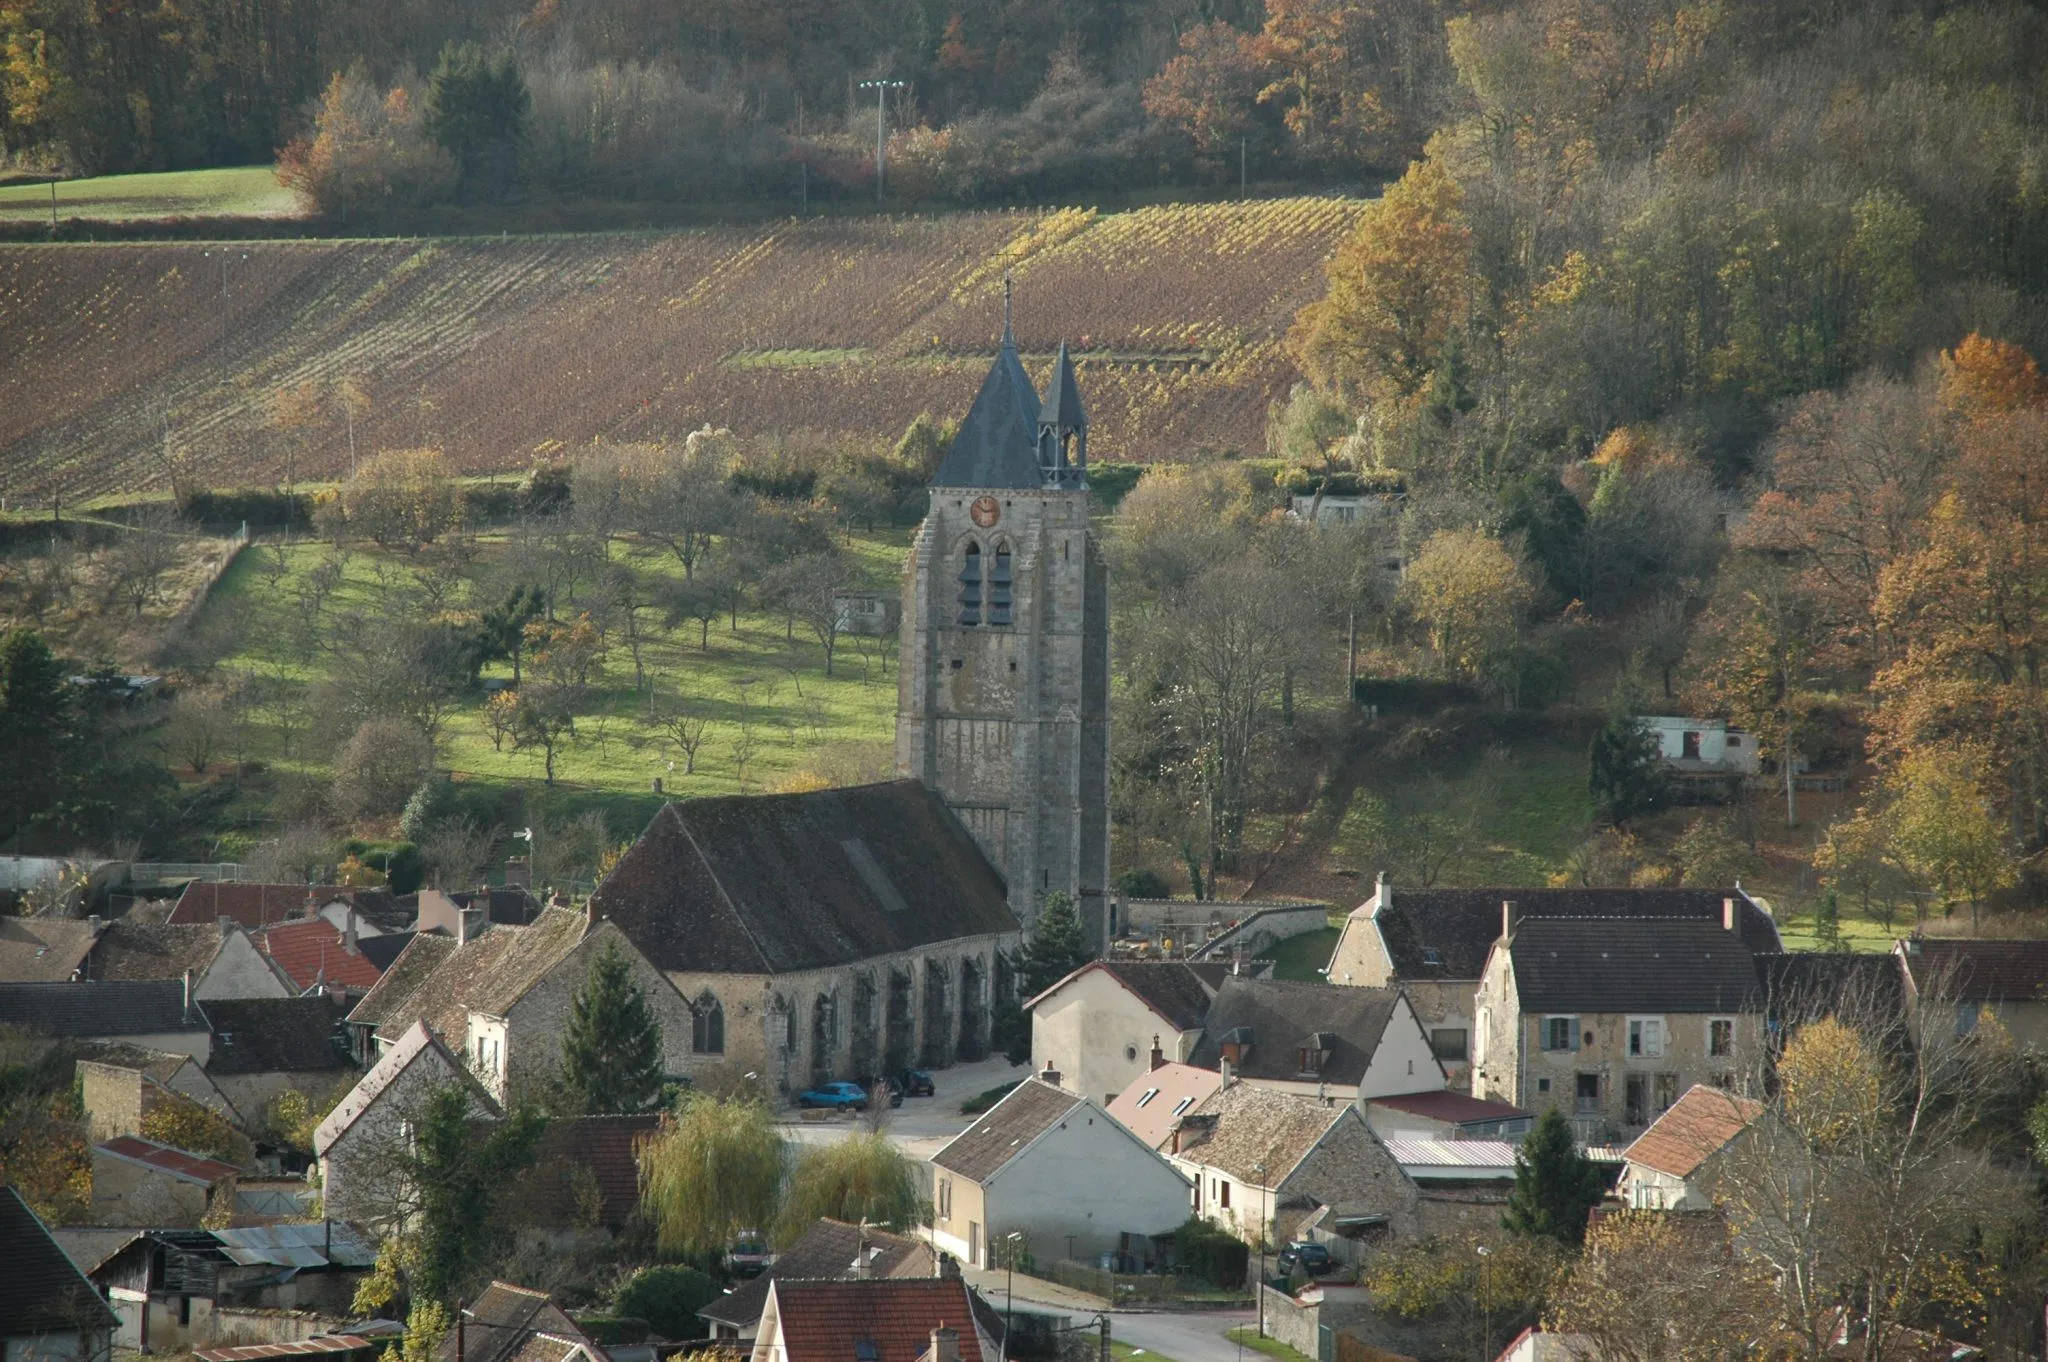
x: 305, y: 1347
x: 1449, y: 1157
x: 313, y: 1245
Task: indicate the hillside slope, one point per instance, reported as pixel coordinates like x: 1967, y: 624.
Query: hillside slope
x: 506, y: 351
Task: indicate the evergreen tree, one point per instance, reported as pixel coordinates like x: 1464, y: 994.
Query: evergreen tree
x: 452, y: 1177
x: 1627, y: 768
x: 1555, y: 1185
x: 611, y: 1053
x: 477, y: 108
x: 1057, y: 947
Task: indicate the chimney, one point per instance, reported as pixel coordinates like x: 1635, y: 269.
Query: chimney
x: 1727, y: 915
x: 1158, y: 1055
x: 590, y: 914
x: 945, y: 1344
x: 1223, y: 1067
x: 95, y: 924
x: 518, y: 871
x: 227, y: 927
x: 188, y: 995
x: 1382, y: 894
x: 1051, y: 1075
x: 348, y: 933
x: 312, y: 904
x: 1508, y: 914
x: 949, y: 1267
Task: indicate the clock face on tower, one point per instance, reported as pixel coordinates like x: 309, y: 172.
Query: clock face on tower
x: 986, y: 512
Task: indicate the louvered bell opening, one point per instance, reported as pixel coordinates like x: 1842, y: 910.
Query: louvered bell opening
x: 999, y: 588
x: 970, y: 587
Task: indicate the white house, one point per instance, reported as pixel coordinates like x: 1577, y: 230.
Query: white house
x: 1319, y: 1041
x: 1056, y: 1168
x: 1098, y: 1026
x: 1703, y: 744
x: 1669, y: 1166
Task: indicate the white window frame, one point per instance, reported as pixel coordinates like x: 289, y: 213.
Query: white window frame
x: 1734, y: 1033
x: 1150, y: 1093
x: 1550, y: 1021
x: 1643, y: 1033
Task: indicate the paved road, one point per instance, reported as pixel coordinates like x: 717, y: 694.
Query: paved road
x: 1175, y: 1335
x: 922, y: 1125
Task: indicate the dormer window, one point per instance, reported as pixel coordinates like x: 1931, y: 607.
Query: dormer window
x: 1311, y: 1061
x: 1431, y: 957
x: 1150, y: 1093
x: 970, y: 587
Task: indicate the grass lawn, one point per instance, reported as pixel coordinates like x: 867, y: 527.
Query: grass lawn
x: 236, y: 191
x: 1271, y: 1347
x: 1121, y: 1351
x: 1302, y: 957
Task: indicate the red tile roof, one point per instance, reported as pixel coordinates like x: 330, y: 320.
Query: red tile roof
x: 1454, y: 1107
x: 165, y: 1159
x: 1696, y: 1127
x: 607, y: 1147
x: 312, y: 951
x: 252, y: 905
x: 827, y: 1321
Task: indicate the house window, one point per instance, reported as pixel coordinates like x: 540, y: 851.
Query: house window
x: 1431, y: 957
x: 707, y: 1026
x: 1223, y: 1195
x: 1645, y: 1036
x: 1311, y: 1061
x: 945, y: 1198
x: 1636, y: 1100
x: 1543, y: 1085
x: 1690, y: 746
x: 1735, y: 740
x: 1667, y: 1091
x: 1449, y: 1042
x: 1150, y: 1093
x: 1721, y: 1036
x: 1560, y: 1033
x: 1589, y: 1092
x: 970, y: 586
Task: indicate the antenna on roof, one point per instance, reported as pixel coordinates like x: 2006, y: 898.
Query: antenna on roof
x: 1009, y: 336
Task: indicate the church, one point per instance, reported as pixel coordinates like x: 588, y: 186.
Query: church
x: 844, y: 933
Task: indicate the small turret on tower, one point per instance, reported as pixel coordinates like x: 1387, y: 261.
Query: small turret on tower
x: 1063, y: 428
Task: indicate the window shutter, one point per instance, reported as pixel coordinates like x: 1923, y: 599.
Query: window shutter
x: 1575, y: 1033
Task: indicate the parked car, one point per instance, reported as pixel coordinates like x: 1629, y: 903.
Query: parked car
x: 1314, y: 1259
x: 916, y: 1083
x: 838, y: 1096
x: 748, y: 1257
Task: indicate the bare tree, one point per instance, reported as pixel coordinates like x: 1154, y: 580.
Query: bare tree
x: 457, y: 849
x: 681, y: 727
x: 137, y: 562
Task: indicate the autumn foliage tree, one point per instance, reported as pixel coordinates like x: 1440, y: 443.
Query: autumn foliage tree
x: 368, y: 157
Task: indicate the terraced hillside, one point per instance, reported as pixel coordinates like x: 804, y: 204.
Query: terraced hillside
x: 505, y: 351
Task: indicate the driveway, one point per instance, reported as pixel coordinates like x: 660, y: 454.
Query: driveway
x: 922, y: 1126
x: 1174, y: 1335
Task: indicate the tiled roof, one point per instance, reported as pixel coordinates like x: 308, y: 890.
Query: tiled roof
x: 1005, y: 1129
x: 488, y: 973
x: 137, y: 1007
x: 89, y: 1246
x: 1280, y: 1017
x: 159, y: 1065
x: 1985, y: 971
x: 1801, y: 985
x: 829, y: 1321
x: 274, y: 1035
x: 826, y: 1249
x: 255, y: 906
x: 536, y: 949
x: 141, y: 950
x: 409, y: 1049
x: 42, y: 1290
x: 177, y: 1163
x: 605, y: 1145
x: 383, y: 949
x: 322, y: 1346
x: 767, y: 884
x: 414, y: 966
x: 1255, y: 1126
x: 1170, y: 988
x: 1693, y: 1129
x: 1446, y: 933
x: 43, y: 949
x: 1155, y: 1100
x: 314, y: 952
x: 1455, y: 1107
x: 504, y: 1319
x: 1669, y: 965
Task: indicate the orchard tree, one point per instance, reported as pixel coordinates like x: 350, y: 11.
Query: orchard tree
x: 611, y: 1050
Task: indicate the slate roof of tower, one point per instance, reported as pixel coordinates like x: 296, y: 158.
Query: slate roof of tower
x: 1063, y: 400
x: 767, y: 884
x: 1281, y: 1015
x: 1459, y: 926
x: 1606, y: 964
x: 997, y: 444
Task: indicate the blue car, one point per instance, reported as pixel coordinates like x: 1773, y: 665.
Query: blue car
x: 839, y: 1096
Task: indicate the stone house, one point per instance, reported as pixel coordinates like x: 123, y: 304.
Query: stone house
x: 1317, y: 1041
x: 1972, y: 979
x: 1610, y: 1019
x: 46, y: 950
x: 140, y: 1182
x: 1055, y: 1167
x: 829, y: 1248
x: 1263, y: 1160
x: 1670, y: 1166
x: 221, y: 957
x: 153, y: 1014
x: 504, y: 995
x: 1099, y: 1026
x: 508, y: 1322
x: 120, y: 1085
x: 357, y: 1141
x: 830, y: 934
x: 176, y: 1290
x: 266, y: 1047
x: 48, y: 1310
x: 1433, y: 943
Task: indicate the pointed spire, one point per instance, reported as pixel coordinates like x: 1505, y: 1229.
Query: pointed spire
x: 1009, y: 335
x: 997, y: 444
x: 1063, y: 426
x: 1063, y: 410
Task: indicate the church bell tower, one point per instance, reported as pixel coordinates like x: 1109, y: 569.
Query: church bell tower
x: 1003, y: 685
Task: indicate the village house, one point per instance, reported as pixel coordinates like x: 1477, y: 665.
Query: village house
x: 1056, y: 1168
x: 141, y: 1182
x: 46, y: 950
x: 155, y: 1014
x: 1156, y: 1100
x: 120, y: 1085
x: 357, y: 1140
x: 1098, y: 1026
x: 936, y: 1319
x: 1433, y: 944
x: 1974, y: 979
x: 1444, y: 1115
x: 504, y: 996
x: 1702, y: 745
x: 257, y: 906
x: 1610, y: 1019
x: 222, y: 958
x: 508, y: 1321
x: 266, y: 1047
x: 1670, y: 1166
x: 830, y: 934
x: 1341, y: 1044
x: 48, y: 1310
x: 829, y: 1248
x: 1263, y: 1160
x: 175, y: 1290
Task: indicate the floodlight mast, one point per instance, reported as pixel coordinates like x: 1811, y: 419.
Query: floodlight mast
x: 881, y: 89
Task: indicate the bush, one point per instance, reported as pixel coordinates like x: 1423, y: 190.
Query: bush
x: 668, y: 1298
x: 976, y: 1105
x: 260, y: 508
x: 1206, y: 1252
x: 433, y: 801
x: 1143, y: 883
x: 404, y: 868
x: 379, y: 767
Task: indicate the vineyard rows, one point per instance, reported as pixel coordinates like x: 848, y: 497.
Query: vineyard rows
x: 500, y: 351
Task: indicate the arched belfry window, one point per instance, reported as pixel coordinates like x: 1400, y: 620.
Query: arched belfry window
x: 970, y: 585
x: 999, y: 587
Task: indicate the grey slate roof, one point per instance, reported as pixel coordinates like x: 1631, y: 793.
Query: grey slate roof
x: 42, y: 1290
x: 1172, y: 988
x: 1063, y: 399
x: 1798, y: 986
x: 1987, y: 970
x: 1446, y: 933
x: 826, y: 1249
x: 131, y: 1007
x: 767, y: 884
x: 1002, y: 1132
x: 1280, y: 1016
x: 997, y: 444
x: 275, y: 1035
x: 1631, y: 965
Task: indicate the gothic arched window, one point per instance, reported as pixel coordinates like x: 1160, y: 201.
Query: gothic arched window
x: 970, y: 585
x: 999, y: 587
x: 707, y: 1025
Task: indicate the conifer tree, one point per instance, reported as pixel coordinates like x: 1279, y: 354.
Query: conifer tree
x: 611, y: 1053
x: 1057, y: 947
x: 1555, y: 1185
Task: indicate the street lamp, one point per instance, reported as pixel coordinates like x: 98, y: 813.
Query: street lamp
x: 1010, y: 1288
x: 224, y: 255
x: 1485, y: 1305
x: 1260, y: 1169
x: 881, y: 89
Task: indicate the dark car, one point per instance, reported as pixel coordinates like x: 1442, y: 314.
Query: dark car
x: 748, y: 1257
x: 1314, y: 1259
x: 839, y: 1096
x: 916, y: 1083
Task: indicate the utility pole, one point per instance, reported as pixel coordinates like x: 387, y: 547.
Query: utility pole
x: 1242, y: 142
x: 881, y: 89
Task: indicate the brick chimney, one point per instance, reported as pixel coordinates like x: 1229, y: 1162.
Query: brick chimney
x: 1158, y: 1055
x: 348, y: 933
x: 945, y: 1344
x: 949, y: 1267
x: 1508, y: 913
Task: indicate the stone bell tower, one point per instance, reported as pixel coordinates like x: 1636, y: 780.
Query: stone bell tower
x: 1003, y: 686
